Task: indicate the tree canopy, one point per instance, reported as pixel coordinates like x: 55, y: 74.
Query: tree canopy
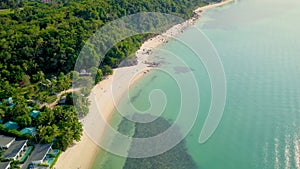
x: 48, y: 37
x: 39, y: 46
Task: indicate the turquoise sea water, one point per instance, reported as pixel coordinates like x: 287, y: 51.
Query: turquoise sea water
x: 258, y: 42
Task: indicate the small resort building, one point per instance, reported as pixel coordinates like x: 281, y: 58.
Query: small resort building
x: 5, y: 141
x: 39, y: 153
x: 29, y: 130
x: 14, y: 150
x: 5, y: 165
x: 11, y: 125
x: 34, y: 113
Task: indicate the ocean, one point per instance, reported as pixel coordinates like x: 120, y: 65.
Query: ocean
x: 257, y: 42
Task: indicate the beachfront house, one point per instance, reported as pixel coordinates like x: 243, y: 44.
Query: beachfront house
x: 5, y: 141
x: 14, y: 150
x: 39, y: 153
x: 5, y: 165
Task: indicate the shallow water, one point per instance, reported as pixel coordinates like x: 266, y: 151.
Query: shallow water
x: 258, y: 43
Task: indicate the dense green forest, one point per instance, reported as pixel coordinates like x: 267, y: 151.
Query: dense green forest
x: 5, y: 4
x: 49, y: 36
x: 39, y: 44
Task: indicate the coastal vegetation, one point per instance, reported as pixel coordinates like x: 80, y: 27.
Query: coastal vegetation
x: 58, y: 124
x: 39, y: 45
x: 48, y: 37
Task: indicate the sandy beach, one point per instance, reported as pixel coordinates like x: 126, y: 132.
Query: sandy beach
x: 108, y: 92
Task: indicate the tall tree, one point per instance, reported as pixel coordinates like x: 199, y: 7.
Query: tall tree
x: 23, y: 121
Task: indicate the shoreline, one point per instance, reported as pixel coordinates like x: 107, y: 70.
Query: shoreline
x: 104, y: 97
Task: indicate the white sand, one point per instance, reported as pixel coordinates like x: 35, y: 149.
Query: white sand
x: 83, y: 153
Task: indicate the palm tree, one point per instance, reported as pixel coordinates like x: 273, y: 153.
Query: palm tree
x: 39, y: 77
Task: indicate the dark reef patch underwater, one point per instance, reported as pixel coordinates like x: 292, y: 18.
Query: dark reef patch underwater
x: 175, y: 158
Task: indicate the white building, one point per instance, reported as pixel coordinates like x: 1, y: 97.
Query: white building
x: 5, y: 141
x: 15, y: 149
x: 5, y: 165
x: 39, y: 153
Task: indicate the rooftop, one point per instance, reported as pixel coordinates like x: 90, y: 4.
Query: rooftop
x: 9, y: 99
x: 38, y: 154
x: 4, y: 140
x: 40, y: 151
x: 34, y: 113
x: 4, y: 165
x: 29, y: 130
x: 11, y: 125
x: 14, y: 149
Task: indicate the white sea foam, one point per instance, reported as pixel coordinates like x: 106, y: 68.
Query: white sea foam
x: 287, y: 152
x: 277, y: 162
x: 297, y: 153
